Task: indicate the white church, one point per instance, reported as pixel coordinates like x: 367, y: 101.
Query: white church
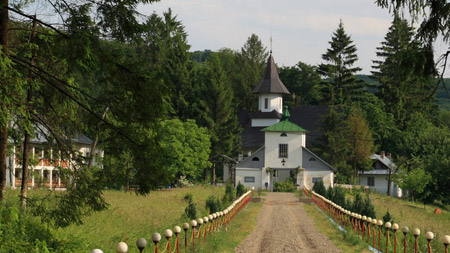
x: 275, y: 148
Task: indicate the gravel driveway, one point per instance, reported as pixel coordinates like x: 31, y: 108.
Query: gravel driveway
x: 283, y: 226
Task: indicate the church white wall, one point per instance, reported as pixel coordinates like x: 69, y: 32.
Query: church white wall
x: 242, y: 173
x: 264, y: 122
x: 275, y: 102
x: 326, y: 175
x: 294, y: 141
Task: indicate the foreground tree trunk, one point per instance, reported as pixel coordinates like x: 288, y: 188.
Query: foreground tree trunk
x: 4, y: 19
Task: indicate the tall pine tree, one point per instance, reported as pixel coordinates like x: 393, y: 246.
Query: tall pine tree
x: 340, y: 85
x: 405, y: 72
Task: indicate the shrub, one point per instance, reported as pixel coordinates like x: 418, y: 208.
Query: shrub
x: 213, y: 204
x: 191, y: 211
x: 230, y: 194
x: 240, y: 189
x: 358, y: 205
x: 369, y: 209
x: 319, y: 188
x: 388, y: 217
x: 339, y: 196
x: 283, y: 187
x: 188, y: 197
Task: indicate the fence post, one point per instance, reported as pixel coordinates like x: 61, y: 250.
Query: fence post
x: 193, y: 225
x: 388, y: 225
x: 429, y: 236
x: 141, y: 243
x: 395, y: 228
x: 405, y: 230
x: 364, y: 219
x: 156, y: 237
x: 416, y: 233
x: 177, y: 231
x: 122, y: 247
x: 185, y: 228
x: 379, y: 223
x: 168, y: 234
x: 446, y: 241
x: 374, y: 224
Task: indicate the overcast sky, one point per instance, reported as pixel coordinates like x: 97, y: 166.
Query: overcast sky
x: 300, y: 29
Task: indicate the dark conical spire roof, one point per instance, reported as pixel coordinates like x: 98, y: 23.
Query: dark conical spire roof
x: 271, y: 82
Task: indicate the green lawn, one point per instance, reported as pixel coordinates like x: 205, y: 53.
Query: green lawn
x: 131, y: 216
x: 407, y: 213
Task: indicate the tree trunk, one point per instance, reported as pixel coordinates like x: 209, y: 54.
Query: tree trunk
x: 94, y: 144
x: 4, y: 19
x: 213, y: 174
x: 26, y: 141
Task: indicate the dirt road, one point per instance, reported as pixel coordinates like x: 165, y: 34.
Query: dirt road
x: 283, y: 226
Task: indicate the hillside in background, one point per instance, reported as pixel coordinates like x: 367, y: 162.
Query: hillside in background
x: 443, y: 99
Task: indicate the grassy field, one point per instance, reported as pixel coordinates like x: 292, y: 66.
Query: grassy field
x: 130, y: 217
x: 407, y: 213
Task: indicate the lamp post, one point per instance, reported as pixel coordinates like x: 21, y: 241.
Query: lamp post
x: 97, y: 251
x: 193, y: 225
x: 379, y: 223
x: 388, y: 225
x: 364, y: 219
x: 446, y: 241
x: 199, y: 222
x: 405, y: 230
x: 141, y: 243
x: 121, y: 247
x: 374, y: 224
x: 185, y: 228
x: 168, y: 234
x: 416, y: 233
x: 429, y: 236
x: 205, y: 220
x: 156, y: 238
x: 177, y: 231
x: 395, y: 228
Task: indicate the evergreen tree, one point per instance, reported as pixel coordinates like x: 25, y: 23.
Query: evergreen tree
x: 333, y: 144
x: 340, y: 85
x: 406, y: 81
x: 361, y: 141
x: 251, y: 61
x: 216, y: 107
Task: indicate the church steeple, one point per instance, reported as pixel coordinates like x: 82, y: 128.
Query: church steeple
x: 271, y: 82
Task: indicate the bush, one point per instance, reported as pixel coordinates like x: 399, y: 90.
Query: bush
x: 369, y: 209
x: 339, y: 196
x: 283, y: 187
x: 240, y: 189
x: 21, y: 232
x: 319, y: 188
x: 358, y: 205
x: 388, y: 217
x: 190, y: 211
x: 188, y: 197
x: 230, y: 194
x: 213, y: 204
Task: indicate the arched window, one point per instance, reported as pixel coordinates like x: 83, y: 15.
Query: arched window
x: 283, y: 135
x: 312, y: 159
x: 255, y: 159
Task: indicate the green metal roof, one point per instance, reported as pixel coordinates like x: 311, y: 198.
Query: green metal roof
x: 284, y: 126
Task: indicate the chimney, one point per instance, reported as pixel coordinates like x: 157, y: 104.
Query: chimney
x: 382, y: 154
x: 389, y: 155
x: 240, y: 157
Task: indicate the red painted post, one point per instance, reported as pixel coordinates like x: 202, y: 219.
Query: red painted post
x: 379, y: 238
x: 405, y: 230
x: 374, y: 235
x: 415, y: 243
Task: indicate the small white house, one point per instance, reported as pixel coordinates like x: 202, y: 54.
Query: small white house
x: 377, y: 179
x: 276, y: 147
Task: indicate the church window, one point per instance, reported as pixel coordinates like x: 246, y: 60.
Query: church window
x: 283, y: 151
x: 371, y: 181
x: 312, y: 159
x: 249, y: 179
x: 266, y: 103
x: 283, y: 135
x: 316, y: 179
x: 255, y: 159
